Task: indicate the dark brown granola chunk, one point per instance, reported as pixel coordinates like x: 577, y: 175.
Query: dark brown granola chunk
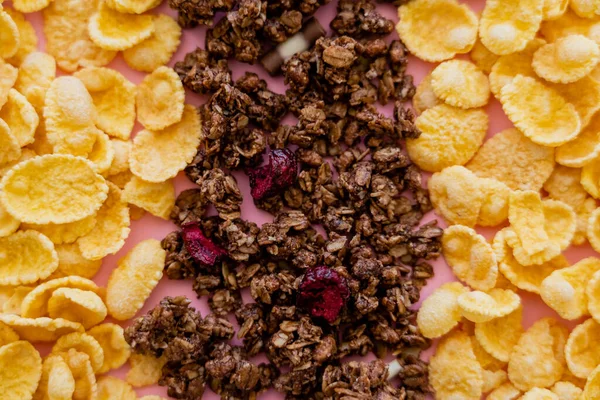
x: 194, y: 12
x: 357, y: 18
x: 200, y: 73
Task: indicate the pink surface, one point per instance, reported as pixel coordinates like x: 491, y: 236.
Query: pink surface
x: 153, y: 227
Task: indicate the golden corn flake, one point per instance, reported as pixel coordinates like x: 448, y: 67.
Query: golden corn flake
x: 564, y: 185
x: 136, y: 212
x: 526, y: 216
x: 471, y: 257
x: 461, y: 84
x: 493, y: 379
x: 439, y: 312
x: 539, y: 394
x: 499, y: 336
x: 8, y: 224
x: 57, y: 381
x: 582, y: 351
x: 28, y: 40
x: 112, y: 30
x: 424, y: 97
x: 536, y: 359
x: 65, y: 233
x: 9, y: 35
x: 454, y: 371
x: 145, y: 370
x: 593, y: 229
x: 560, y: 222
x: 35, y: 303
x: 7, y: 334
x: 506, y: 391
x: 160, y: 99
x: 485, y: 359
x: 13, y: 305
x: 111, y: 339
x: 67, y: 38
x: 30, y: 6
x: 53, y: 189
x: 569, y: 24
x: 583, y: 149
x: 136, y: 275
x: 21, y: 117
x: 111, y: 388
x: 564, y: 289
x: 480, y: 307
x: 81, y: 368
x: 132, y: 6
x: 566, y: 391
x: 507, y: 26
x: 36, y: 73
x: 585, y: 8
x: 10, y: 145
x: 72, y: 262
x: 159, y: 156
x: 20, y: 370
x: 158, y: 49
x: 511, y: 65
x: 156, y: 198
x: 111, y: 230
x: 554, y: 9
x: 566, y: 60
x: 583, y: 216
x: 450, y: 136
x: 8, y: 77
x: 26, y: 256
x: 83, y: 343
x: 26, y: 154
x: 114, y: 98
x: 592, y: 387
x: 77, y: 305
x: 120, y: 163
x: 592, y: 291
x: 539, y: 112
x: 572, y: 379
x: 41, y: 329
x: 482, y: 57
x: 102, y: 153
x: 584, y: 94
x: 590, y: 178
x: 494, y: 209
x: 523, y: 257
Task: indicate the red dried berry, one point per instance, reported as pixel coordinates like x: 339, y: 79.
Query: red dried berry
x: 280, y: 173
x: 323, y: 293
x: 201, y: 248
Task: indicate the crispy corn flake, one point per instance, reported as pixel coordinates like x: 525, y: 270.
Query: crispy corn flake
x: 506, y: 391
x: 28, y: 40
x: 81, y: 368
x: 564, y: 289
x: 584, y: 149
x: 566, y: 60
x: 114, y: 98
x: 440, y: 313
x: 494, y: 209
x: 27, y: 256
x: 112, y: 30
x: 592, y: 292
x: 65, y: 233
x: 499, y: 336
x: 470, y: 256
x: 21, y: 117
x: 77, y: 305
x: 102, y: 153
x: 485, y: 359
x: 9, y: 36
x: 136, y: 275
x: 57, y: 381
x: 156, y: 198
x: 84, y: 343
x: 424, y: 97
x: 593, y: 229
x: 8, y: 77
x: 566, y: 390
x: 67, y: 38
x: 590, y: 178
x: 539, y: 112
x: 136, y: 212
x: 585, y: 8
x: 111, y: 230
x: 161, y: 155
x: 13, y: 304
x: 158, y: 49
x: 53, y: 189
x: 560, y: 222
x: 10, y: 145
x: 526, y: 216
x: 8, y: 224
x: 160, y: 99
x: 36, y: 73
x: 564, y: 185
x: 460, y: 84
x: 111, y: 388
x: 111, y: 339
x: 26, y: 154
x: 450, y: 136
x: 35, y: 303
x: 121, y: 179
x: 507, y: 26
x: 454, y: 371
x: 145, y: 370
x: 432, y: 37
x: 584, y: 94
x: 72, y: 262
x: 582, y: 351
x: 524, y: 258
x: 456, y: 195
x: 41, y: 329
x: 538, y: 359
x: 7, y: 334
x: 132, y: 6
x: 509, y: 66
x: 554, y: 9
x: 493, y: 379
x: 480, y: 307
x: 569, y: 24
x: 539, y: 394
x: 120, y: 163
x: 583, y: 216
x: 30, y: 6
x: 592, y: 386
x: 483, y: 57
x: 20, y: 370
x: 570, y: 378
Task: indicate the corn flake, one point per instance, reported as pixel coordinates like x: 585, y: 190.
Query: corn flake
x: 41, y: 329
x: 585, y: 8
x: 111, y: 388
x: 526, y: 216
x: 564, y: 289
x: 564, y: 185
x: 13, y: 304
x: 35, y: 303
x: 590, y: 178
x: 424, y: 97
x: 485, y: 359
x: 584, y: 149
x: 120, y: 163
x: 77, y: 305
x: 439, y: 313
x: 145, y: 370
x: 10, y: 145
x: 136, y: 275
x: 20, y: 370
x: 493, y: 379
x: 8, y: 224
x: 72, y: 262
x: 65, y: 233
x: 592, y: 387
x: 156, y: 198
x: 57, y: 381
x: 509, y: 66
x: 26, y: 256
x: 482, y: 57
x: 28, y: 40
x: 499, y: 336
x: 554, y: 9
x: 583, y: 94
x: 160, y: 99
x: 112, y: 30
x: 494, y: 209
x: 538, y: 359
x: 9, y: 35
x: 159, y: 156
x: 121, y: 179
x: 566, y: 60
x: 450, y: 136
x: 21, y: 117
x: 132, y: 6
x: 7, y: 334
x: 102, y: 153
x: 583, y: 215
x: 83, y: 343
x: 480, y: 307
x: 539, y: 112
x: 569, y: 24
x: 506, y: 391
x: 523, y: 257
x: 8, y: 77
x: 81, y: 368
x: 111, y: 339
x: 539, y: 394
x: 592, y: 291
x: 566, y: 390
x: 36, y: 73
x: 582, y: 351
x: 158, y: 49
x: 560, y: 222
x: 470, y: 256
x: 461, y: 84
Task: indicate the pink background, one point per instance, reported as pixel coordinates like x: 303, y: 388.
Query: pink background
x: 153, y: 227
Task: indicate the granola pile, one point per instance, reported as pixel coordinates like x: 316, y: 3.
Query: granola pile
x: 317, y: 298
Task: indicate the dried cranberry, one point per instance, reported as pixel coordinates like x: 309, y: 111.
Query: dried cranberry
x: 280, y: 173
x: 323, y: 293
x: 201, y: 248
